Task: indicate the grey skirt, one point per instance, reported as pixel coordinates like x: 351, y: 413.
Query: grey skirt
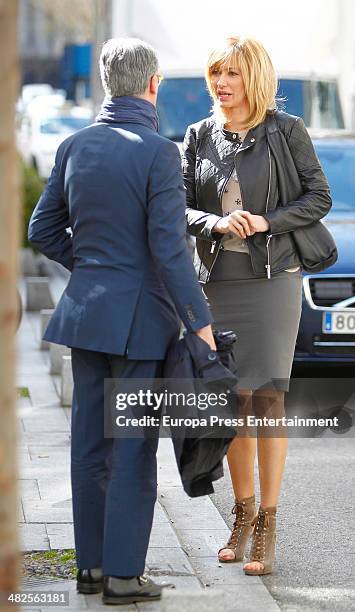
x: 265, y: 315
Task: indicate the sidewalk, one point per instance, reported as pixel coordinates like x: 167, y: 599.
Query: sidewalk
x: 186, y: 532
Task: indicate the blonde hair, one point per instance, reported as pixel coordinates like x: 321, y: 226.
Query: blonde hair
x: 257, y: 71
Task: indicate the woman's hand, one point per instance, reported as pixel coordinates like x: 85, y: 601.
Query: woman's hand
x: 256, y: 223
x: 234, y: 223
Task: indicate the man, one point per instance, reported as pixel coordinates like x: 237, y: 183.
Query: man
x: 117, y: 184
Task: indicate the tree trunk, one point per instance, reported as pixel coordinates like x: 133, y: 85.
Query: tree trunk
x: 9, y: 232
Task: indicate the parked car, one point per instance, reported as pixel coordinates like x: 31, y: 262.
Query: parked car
x: 30, y: 92
x: 183, y: 99
x: 327, y: 328
x: 42, y: 131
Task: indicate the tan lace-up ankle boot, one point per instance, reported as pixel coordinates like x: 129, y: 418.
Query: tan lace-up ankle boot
x: 244, y: 511
x: 263, y: 542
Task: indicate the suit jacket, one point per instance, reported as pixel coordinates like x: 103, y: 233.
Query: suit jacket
x: 119, y: 188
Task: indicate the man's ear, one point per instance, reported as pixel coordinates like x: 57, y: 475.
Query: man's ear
x: 153, y: 85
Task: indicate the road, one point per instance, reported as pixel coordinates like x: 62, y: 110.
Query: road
x: 315, y: 566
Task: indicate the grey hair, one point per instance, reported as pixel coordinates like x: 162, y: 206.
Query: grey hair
x: 126, y: 64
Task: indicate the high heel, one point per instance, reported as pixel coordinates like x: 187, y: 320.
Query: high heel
x: 263, y: 542
x: 244, y: 511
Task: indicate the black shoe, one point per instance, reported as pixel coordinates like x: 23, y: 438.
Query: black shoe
x: 89, y: 581
x: 139, y: 588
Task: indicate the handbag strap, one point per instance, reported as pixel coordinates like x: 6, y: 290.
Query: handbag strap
x: 273, y: 126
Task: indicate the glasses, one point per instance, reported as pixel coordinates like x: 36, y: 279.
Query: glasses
x: 159, y: 77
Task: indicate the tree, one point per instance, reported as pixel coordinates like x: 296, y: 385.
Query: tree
x: 75, y: 18
x: 9, y: 233
x: 82, y: 21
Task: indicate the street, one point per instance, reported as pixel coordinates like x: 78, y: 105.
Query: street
x: 314, y: 567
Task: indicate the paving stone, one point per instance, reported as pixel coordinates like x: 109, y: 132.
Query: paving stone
x: 94, y: 602
x: 28, y: 262
x: 40, y: 512
x: 49, y: 438
x: 20, y: 514
x: 31, y: 364
x: 168, y: 475
x: 76, y: 601
x: 48, y: 411
x: 174, y: 496
x: 43, y: 391
x: 58, y: 490
x: 174, y: 600
x: 43, y: 421
x: 38, y: 294
x: 46, y: 315
x: 49, y: 455
x: 181, y: 582
x: 54, y: 453
x: 163, y: 536
x: 61, y: 536
x: 188, y: 517
x: 160, y: 514
x: 23, y: 458
x: 23, y: 406
x: 248, y: 598
x: 210, y: 600
x: 199, y: 543
x: 29, y: 491
x: 56, y: 352
x: 170, y: 561
x: 47, y: 472
x: 33, y: 537
x: 210, y: 571
x: 151, y: 606
x: 67, y: 384
x: 44, y: 266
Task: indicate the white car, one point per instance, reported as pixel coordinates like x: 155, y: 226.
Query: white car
x: 42, y: 131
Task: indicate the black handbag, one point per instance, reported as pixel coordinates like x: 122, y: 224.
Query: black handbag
x: 315, y: 247
x: 314, y: 243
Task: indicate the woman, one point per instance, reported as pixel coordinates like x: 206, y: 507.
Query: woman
x: 238, y: 166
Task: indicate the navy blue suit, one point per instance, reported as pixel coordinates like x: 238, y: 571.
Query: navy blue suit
x: 118, y: 186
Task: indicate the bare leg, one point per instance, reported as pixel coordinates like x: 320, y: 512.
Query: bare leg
x: 272, y: 452
x: 241, y: 459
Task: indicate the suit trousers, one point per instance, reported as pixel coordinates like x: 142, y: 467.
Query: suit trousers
x: 114, y: 480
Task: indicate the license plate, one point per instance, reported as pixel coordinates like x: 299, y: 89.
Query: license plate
x: 339, y: 322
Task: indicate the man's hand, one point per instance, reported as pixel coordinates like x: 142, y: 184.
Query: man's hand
x: 257, y: 223
x: 235, y: 223
x: 206, y: 334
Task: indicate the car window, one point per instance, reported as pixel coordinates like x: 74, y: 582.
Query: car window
x: 317, y: 102
x: 180, y: 103
x: 339, y: 167
x: 62, y: 125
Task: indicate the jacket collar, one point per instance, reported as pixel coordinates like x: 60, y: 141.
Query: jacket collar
x: 251, y: 137
x: 128, y: 109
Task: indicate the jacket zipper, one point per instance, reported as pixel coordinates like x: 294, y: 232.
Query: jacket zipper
x: 213, y: 246
x: 243, y: 200
x: 269, y: 236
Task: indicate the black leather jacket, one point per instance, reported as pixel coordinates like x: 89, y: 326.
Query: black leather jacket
x: 280, y: 178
